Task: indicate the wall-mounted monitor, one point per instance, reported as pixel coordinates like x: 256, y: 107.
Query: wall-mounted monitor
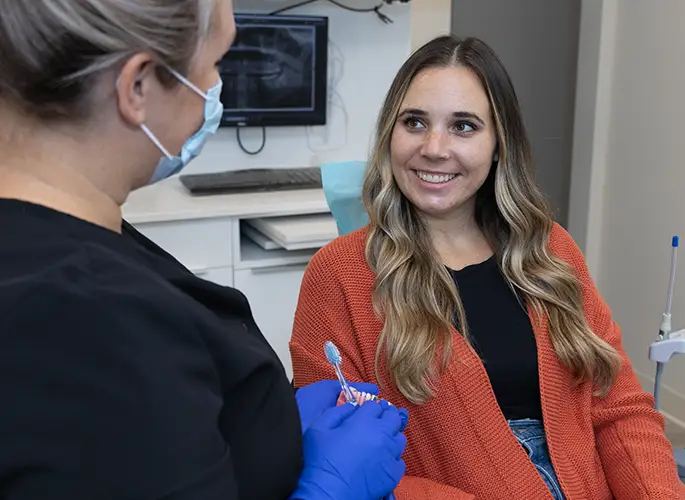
x: 276, y: 72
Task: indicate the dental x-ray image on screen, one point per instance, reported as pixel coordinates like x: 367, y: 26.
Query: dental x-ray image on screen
x: 274, y: 74
x: 271, y: 68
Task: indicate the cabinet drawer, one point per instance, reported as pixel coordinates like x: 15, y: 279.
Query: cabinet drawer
x: 198, y: 244
x: 273, y: 293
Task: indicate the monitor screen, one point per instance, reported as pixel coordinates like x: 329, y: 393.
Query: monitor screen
x: 276, y: 71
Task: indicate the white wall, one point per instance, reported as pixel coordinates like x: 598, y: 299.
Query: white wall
x: 365, y: 55
x: 629, y: 177
x: 430, y: 18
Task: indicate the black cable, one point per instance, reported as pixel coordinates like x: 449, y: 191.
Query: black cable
x: 356, y: 9
x: 291, y: 7
x: 240, y: 142
x: 375, y: 9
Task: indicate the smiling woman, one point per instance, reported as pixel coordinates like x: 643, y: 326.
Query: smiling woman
x: 469, y: 305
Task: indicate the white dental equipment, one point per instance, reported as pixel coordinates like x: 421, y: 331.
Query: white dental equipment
x: 667, y: 345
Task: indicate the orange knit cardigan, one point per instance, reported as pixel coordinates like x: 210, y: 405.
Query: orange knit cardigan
x: 459, y: 444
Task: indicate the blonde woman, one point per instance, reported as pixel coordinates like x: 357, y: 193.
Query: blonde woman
x: 123, y: 376
x: 470, y: 306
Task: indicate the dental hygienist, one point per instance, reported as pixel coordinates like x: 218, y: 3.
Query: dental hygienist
x: 122, y: 375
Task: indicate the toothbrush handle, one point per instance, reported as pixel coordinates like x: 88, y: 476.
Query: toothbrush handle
x: 345, y: 387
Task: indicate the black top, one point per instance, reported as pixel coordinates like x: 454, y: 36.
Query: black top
x: 124, y: 376
x: 502, y: 335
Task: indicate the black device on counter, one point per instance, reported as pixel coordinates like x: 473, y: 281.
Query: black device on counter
x: 253, y: 180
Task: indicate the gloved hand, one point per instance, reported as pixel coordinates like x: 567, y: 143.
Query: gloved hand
x: 314, y: 399
x: 352, y: 453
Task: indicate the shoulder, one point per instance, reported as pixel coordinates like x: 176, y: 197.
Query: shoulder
x: 344, y: 250
x: 563, y: 246
x: 338, y: 275
x: 344, y: 256
x: 89, y: 301
x: 561, y: 242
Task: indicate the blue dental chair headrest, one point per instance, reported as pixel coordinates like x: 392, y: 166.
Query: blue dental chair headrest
x: 342, y: 184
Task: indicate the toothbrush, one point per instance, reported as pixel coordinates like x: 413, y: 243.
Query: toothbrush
x: 333, y: 356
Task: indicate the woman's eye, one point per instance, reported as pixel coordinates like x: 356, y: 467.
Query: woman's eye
x: 413, y: 123
x: 465, y: 127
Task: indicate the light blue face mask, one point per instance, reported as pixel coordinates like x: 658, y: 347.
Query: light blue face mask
x: 342, y: 185
x: 169, y: 164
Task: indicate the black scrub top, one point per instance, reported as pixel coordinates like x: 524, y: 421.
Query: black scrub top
x: 124, y: 376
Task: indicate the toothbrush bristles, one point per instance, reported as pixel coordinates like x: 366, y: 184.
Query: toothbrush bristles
x: 332, y: 353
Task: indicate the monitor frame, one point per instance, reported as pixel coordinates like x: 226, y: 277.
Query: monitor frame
x: 318, y: 115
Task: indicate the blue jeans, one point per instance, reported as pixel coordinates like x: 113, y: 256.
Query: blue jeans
x: 531, y: 434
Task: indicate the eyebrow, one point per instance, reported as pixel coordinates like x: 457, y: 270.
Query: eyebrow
x: 457, y: 114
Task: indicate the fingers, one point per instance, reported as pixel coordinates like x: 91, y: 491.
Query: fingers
x: 335, y: 416
x: 331, y: 388
x: 365, y: 387
x: 403, y: 413
x: 397, y: 469
x: 390, y: 421
x: 369, y: 410
x: 385, y: 404
x: 397, y: 446
x: 404, y: 416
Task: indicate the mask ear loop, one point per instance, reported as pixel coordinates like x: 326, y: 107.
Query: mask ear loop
x: 156, y: 142
x: 187, y: 83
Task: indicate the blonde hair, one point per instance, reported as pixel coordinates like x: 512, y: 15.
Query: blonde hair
x: 512, y: 213
x: 51, y: 50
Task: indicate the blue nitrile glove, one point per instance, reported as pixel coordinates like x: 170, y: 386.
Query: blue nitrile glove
x: 352, y: 453
x: 404, y: 414
x: 314, y: 399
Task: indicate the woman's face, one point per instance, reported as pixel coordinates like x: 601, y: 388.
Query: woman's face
x: 443, y: 142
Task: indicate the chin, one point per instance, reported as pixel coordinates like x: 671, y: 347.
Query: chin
x: 442, y: 209
x: 438, y: 211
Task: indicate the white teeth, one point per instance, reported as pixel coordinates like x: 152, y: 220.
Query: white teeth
x: 435, y: 178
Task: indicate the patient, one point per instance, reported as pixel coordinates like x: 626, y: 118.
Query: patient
x: 472, y: 308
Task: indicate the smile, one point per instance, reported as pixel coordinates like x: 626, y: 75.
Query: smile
x: 434, y: 178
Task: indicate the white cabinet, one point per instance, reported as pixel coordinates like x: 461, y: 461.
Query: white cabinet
x: 199, y: 245
x: 273, y: 293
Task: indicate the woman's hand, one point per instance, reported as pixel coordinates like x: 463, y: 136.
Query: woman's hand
x: 353, y: 453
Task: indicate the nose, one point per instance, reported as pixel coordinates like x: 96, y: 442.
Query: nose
x: 435, y: 145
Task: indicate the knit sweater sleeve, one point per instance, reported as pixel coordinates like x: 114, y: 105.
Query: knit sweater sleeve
x: 324, y: 313
x: 637, y: 458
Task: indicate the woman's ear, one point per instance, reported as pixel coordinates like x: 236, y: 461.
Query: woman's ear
x: 132, y: 87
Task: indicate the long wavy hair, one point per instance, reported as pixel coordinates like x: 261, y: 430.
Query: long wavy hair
x: 511, y: 211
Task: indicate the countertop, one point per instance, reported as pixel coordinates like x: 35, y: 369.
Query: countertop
x: 169, y: 201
